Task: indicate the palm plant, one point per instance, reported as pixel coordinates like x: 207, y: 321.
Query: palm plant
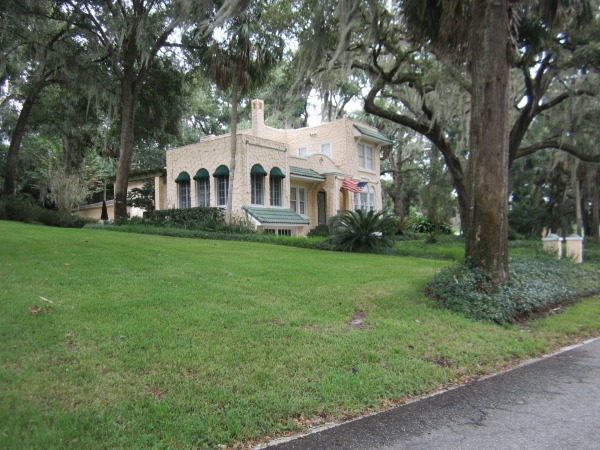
x: 240, y: 61
x: 360, y: 231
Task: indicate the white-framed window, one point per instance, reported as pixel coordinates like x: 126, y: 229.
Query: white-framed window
x: 278, y: 231
x: 303, y: 151
x: 275, y: 190
x: 222, y: 189
x: 298, y: 200
x: 326, y: 148
x: 203, y: 192
x: 184, y: 194
x: 257, y: 184
x: 366, y: 157
x: 365, y: 200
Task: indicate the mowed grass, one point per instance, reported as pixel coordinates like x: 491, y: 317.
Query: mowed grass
x: 155, y: 342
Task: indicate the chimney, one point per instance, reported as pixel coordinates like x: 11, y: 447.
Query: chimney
x: 258, y: 116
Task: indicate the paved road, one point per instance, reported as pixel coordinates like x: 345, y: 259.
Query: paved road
x: 553, y: 403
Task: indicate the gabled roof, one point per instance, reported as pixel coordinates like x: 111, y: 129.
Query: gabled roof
x: 373, y: 135
x: 272, y: 216
x: 305, y: 173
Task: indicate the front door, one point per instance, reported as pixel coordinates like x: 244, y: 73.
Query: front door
x: 321, y: 208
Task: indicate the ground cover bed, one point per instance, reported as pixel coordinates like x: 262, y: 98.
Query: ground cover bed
x: 121, y: 340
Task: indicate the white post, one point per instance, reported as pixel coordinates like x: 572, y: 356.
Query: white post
x: 553, y: 245
x: 575, y: 248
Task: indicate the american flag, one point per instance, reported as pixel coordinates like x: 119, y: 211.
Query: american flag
x: 353, y: 186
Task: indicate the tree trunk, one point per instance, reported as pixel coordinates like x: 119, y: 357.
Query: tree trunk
x: 595, y: 222
x: 397, y: 193
x: 234, y: 121
x: 487, y: 231
x: 129, y: 94
x: 10, y: 170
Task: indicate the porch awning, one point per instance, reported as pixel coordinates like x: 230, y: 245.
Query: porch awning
x: 307, y: 174
x: 276, y: 216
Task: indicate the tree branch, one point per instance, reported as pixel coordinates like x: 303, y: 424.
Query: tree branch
x: 558, y: 145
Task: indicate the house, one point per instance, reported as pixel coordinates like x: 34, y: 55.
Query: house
x: 286, y: 181
x: 137, y: 179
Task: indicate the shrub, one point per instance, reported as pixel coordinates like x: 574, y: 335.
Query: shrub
x: 142, y: 197
x: 359, y: 231
x: 320, y: 230
x: 24, y: 210
x: 404, y: 227
x: 185, y: 217
x: 426, y: 225
x: 537, y: 283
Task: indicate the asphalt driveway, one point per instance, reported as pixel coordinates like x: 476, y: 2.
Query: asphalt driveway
x: 553, y: 403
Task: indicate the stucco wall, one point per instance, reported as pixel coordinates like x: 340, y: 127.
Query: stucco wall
x: 211, y: 153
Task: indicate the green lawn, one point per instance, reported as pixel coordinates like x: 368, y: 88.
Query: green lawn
x: 155, y: 342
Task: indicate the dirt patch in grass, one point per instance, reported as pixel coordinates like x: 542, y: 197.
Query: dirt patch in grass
x: 358, y: 320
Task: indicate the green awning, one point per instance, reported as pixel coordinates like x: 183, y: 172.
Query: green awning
x: 202, y: 174
x: 277, y: 173
x: 221, y: 171
x: 183, y: 177
x: 257, y: 169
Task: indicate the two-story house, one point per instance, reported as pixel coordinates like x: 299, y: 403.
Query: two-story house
x: 286, y: 181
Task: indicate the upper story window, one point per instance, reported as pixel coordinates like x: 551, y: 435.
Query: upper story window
x: 222, y: 184
x: 298, y: 200
x: 183, y: 190
x: 326, y: 148
x: 202, y: 188
x: 366, y: 157
x: 303, y: 151
x: 257, y: 184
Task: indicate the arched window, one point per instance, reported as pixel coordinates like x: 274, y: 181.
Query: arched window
x: 202, y: 179
x: 183, y: 190
x: 222, y: 184
x: 276, y: 177
x: 257, y: 185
